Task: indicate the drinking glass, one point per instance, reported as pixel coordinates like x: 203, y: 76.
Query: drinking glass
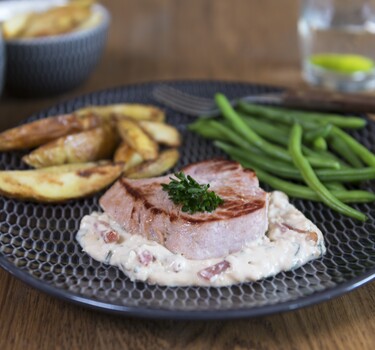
x: 337, y: 43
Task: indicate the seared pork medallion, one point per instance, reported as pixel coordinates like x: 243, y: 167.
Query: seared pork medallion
x: 142, y: 207
x: 249, y: 236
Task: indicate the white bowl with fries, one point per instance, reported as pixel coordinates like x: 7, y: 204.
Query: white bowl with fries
x: 52, y: 48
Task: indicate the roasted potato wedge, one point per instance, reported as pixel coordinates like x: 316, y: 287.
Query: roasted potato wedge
x: 162, y: 133
x: 44, y: 130
x: 132, y: 110
x: 57, y: 184
x: 91, y: 22
x: 73, y: 167
x: 13, y: 27
x: 127, y: 155
x: 54, y: 21
x: 167, y: 159
x: 95, y: 144
x: 132, y: 134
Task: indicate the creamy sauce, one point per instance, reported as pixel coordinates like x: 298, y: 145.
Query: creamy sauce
x: 291, y: 241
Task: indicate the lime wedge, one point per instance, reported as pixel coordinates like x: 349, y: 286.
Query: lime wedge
x: 343, y: 63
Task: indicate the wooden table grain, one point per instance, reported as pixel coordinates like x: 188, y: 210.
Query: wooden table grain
x: 241, y: 40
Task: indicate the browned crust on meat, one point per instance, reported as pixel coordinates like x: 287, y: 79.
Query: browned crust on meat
x: 231, y: 208
x: 221, y: 164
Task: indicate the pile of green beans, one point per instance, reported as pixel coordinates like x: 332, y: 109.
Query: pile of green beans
x: 304, y: 154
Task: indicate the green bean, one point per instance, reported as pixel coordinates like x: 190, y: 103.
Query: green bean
x: 274, y: 115
x: 304, y: 192
x: 233, y: 137
x: 322, y: 131
x: 203, y: 128
x: 320, y: 144
x: 343, y: 149
x: 246, y: 132
x: 300, y: 191
x: 313, y: 181
x: 361, y: 151
x: 319, y: 162
x: 227, y: 134
x: 308, y: 119
x: 243, y: 129
x: 277, y: 134
x: 262, y: 161
x: 289, y: 171
x: 346, y: 175
x: 335, y: 186
x: 326, y: 154
x: 280, y: 135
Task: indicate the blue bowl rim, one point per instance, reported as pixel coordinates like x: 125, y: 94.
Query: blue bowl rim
x: 103, y: 25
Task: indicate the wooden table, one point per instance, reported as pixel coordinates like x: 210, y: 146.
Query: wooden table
x: 153, y: 40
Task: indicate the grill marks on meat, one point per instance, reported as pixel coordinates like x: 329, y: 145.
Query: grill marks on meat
x: 234, y: 205
x: 142, y: 207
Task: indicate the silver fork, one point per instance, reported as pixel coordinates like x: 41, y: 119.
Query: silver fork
x: 199, y: 106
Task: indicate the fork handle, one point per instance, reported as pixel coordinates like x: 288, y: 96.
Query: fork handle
x: 328, y: 101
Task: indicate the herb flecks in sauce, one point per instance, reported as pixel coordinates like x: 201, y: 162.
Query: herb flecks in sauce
x: 193, y: 197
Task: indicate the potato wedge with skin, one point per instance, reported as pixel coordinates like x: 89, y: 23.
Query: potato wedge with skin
x: 167, y: 159
x: 73, y: 167
x: 44, y: 130
x: 57, y: 185
x: 132, y: 134
x: 95, y: 144
x: 131, y: 110
x: 127, y: 155
x: 162, y: 133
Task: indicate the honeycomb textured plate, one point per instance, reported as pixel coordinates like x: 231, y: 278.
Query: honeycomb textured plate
x: 38, y: 241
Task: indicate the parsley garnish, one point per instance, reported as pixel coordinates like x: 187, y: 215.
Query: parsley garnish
x: 193, y: 196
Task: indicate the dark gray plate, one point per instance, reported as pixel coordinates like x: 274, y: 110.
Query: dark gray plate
x: 38, y: 244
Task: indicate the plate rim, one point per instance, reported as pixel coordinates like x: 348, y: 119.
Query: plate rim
x: 161, y: 313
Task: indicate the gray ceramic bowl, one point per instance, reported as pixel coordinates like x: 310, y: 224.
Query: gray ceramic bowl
x: 52, y: 65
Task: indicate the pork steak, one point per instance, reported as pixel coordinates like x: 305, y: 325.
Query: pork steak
x: 143, y: 207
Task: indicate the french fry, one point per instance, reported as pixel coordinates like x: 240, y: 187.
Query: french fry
x: 55, y: 21
x: 57, y: 184
x: 95, y: 144
x: 137, y: 139
x: 167, y: 159
x: 131, y: 110
x: 127, y: 155
x: 14, y: 27
x: 162, y: 133
x: 91, y: 22
x: 44, y: 130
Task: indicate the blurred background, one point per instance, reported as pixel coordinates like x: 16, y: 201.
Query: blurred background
x: 201, y: 39
x: 253, y: 41
x: 148, y: 40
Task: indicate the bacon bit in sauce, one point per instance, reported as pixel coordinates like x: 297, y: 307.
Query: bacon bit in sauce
x: 310, y: 234
x: 145, y: 258
x: 214, y: 270
x: 313, y: 236
x: 108, y: 235
x: 111, y: 237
